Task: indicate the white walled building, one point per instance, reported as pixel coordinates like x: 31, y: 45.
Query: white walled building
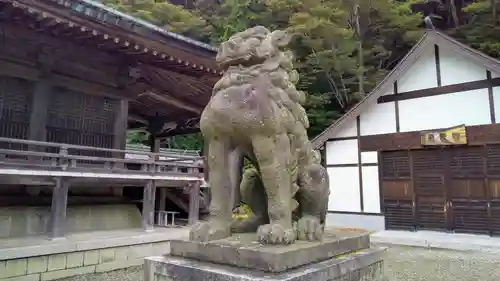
x: 387, y: 171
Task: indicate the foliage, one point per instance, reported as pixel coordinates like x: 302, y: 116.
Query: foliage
x: 482, y: 30
x: 342, y: 47
x: 137, y: 137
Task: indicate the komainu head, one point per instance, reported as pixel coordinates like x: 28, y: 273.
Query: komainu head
x: 252, y: 46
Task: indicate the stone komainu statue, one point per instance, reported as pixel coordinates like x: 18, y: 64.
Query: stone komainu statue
x: 256, y: 112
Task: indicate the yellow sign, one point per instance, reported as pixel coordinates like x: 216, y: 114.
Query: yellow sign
x: 451, y: 136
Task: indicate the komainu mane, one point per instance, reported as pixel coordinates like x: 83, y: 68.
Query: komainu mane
x: 256, y: 112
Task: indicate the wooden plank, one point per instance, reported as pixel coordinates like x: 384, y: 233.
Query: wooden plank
x: 148, y: 205
x: 194, y: 203
x: 58, y: 208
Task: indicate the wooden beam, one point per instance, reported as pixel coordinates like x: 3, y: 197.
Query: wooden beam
x: 360, y: 169
x: 455, y: 88
x: 30, y: 73
x: 148, y: 205
x: 58, y: 208
x: 438, y: 64
x: 173, y: 101
x: 491, y: 99
x: 137, y: 118
x: 476, y: 135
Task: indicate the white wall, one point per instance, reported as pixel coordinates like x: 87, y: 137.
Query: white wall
x: 347, y: 130
x: 378, y: 119
x: 456, y: 69
x: 344, y: 189
x: 342, y: 152
x: 371, y: 194
x: 421, y: 75
x: 369, y: 157
x: 442, y: 111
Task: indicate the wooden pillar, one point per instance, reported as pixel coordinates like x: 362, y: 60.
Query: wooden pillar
x: 154, y: 143
x: 58, y: 208
x: 120, y: 132
x: 162, y: 199
x: 148, y: 205
x: 38, y: 118
x: 120, y: 125
x: 194, y: 203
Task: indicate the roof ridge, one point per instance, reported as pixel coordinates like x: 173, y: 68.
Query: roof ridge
x: 96, y: 5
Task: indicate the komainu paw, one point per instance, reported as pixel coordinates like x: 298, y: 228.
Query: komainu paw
x: 309, y: 228
x: 206, y: 231
x: 275, y: 234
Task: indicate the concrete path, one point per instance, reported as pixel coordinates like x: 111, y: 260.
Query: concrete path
x: 430, y: 239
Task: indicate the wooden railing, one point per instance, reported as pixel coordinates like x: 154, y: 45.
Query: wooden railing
x: 26, y: 157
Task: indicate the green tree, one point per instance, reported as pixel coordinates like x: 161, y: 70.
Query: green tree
x: 482, y: 31
x: 342, y: 47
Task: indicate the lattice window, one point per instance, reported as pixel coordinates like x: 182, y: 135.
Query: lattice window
x: 15, y: 98
x: 81, y: 119
x: 467, y: 162
x: 429, y: 161
x: 395, y: 164
x: 429, y: 186
x: 493, y: 161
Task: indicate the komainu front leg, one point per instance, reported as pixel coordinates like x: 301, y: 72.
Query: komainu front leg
x: 313, y: 201
x: 273, y: 154
x: 218, y: 225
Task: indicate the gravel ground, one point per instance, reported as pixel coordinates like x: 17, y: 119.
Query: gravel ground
x: 402, y: 264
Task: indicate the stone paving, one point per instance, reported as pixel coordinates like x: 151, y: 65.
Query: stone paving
x: 402, y: 264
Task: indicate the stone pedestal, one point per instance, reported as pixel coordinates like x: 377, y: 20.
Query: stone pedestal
x: 342, y: 256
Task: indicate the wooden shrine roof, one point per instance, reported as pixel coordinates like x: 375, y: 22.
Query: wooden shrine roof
x: 170, y: 75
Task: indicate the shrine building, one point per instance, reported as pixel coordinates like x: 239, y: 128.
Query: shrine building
x: 422, y: 150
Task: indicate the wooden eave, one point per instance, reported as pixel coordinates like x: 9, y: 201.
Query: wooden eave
x: 431, y: 37
x: 57, y: 15
x: 178, y: 73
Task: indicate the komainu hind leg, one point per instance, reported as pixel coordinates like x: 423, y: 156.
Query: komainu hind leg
x: 313, y: 202
x: 272, y: 154
x: 254, y: 195
x: 219, y: 222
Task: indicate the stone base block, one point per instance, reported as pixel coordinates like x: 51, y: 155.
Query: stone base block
x: 364, y: 265
x: 242, y: 250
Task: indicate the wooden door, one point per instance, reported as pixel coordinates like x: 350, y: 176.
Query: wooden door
x: 493, y: 187
x: 397, y: 190
x: 451, y: 188
x: 429, y: 168
x: 467, y: 189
